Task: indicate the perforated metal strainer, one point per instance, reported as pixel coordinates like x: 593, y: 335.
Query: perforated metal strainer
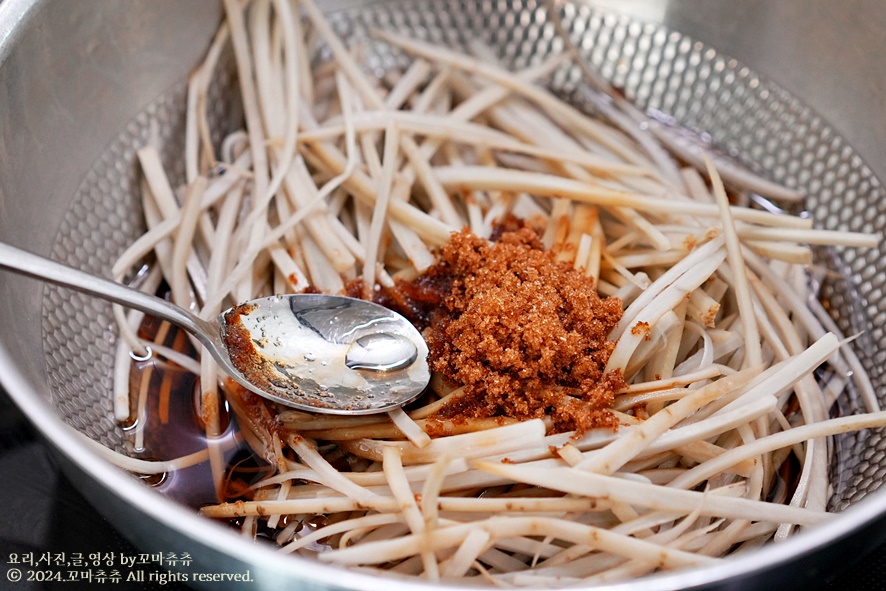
x: 665, y: 72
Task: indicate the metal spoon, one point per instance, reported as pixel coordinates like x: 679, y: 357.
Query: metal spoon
x: 321, y: 353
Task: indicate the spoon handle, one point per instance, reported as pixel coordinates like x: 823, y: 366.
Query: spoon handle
x: 32, y: 265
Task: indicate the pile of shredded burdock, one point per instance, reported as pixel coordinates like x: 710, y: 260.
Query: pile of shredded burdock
x: 524, y: 334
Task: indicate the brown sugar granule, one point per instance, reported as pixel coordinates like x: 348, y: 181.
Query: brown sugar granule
x: 524, y: 334
x: 640, y: 328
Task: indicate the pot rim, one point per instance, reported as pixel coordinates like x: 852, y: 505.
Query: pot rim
x: 15, y: 16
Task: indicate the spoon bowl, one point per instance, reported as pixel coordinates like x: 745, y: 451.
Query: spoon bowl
x: 331, y: 354
x: 315, y: 352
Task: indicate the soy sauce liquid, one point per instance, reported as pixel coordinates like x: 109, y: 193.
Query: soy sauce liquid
x: 166, y: 422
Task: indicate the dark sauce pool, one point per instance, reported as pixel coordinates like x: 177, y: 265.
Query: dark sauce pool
x: 166, y: 422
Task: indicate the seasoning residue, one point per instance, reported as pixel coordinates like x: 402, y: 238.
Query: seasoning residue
x: 524, y: 334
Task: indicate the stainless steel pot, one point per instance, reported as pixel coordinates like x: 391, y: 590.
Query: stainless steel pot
x: 80, y: 82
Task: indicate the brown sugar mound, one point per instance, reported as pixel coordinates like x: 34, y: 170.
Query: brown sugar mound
x: 524, y: 334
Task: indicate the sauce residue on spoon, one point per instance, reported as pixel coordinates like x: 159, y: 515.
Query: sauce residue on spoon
x: 327, y: 353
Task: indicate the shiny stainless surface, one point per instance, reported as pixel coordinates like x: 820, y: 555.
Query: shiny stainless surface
x: 328, y: 354
x: 31, y: 265
x: 64, y: 96
x: 829, y: 54
x: 73, y: 75
x: 381, y: 379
